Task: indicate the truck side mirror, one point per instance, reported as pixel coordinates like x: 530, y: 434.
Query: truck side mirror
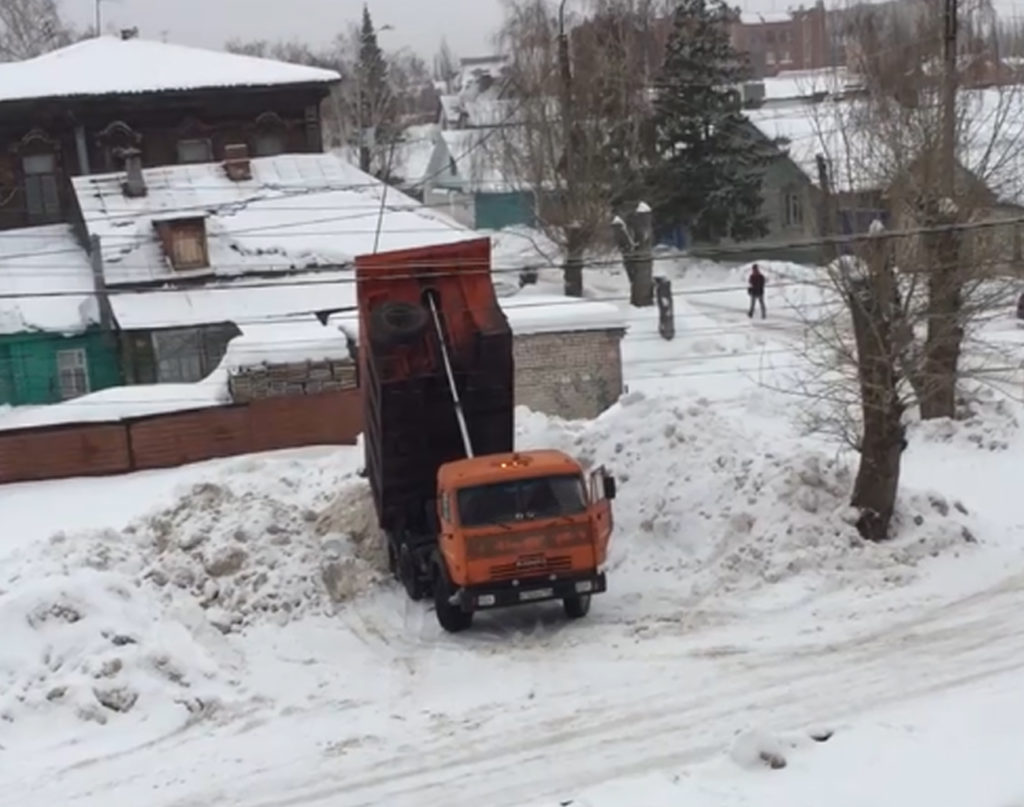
x: 609, y: 487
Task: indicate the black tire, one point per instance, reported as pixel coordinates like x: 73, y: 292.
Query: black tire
x: 408, y: 575
x: 577, y: 606
x: 396, y: 322
x: 450, y: 617
x: 392, y: 560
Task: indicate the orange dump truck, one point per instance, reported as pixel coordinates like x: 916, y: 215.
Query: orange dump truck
x: 469, y: 521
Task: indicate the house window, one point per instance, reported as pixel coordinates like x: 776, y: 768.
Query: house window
x: 42, y: 198
x: 793, y: 209
x: 188, y: 246
x: 197, y: 150
x: 72, y: 373
x: 268, y: 144
x: 187, y: 355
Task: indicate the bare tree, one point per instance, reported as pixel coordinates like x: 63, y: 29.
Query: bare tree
x: 362, y: 112
x: 446, y: 67
x: 933, y: 133
x: 31, y: 27
x: 578, y: 136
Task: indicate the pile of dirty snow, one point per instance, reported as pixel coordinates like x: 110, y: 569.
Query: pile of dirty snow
x: 985, y: 421
x: 722, y: 511
x: 95, y: 644
x: 242, y: 556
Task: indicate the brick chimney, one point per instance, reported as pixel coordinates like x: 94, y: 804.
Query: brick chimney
x: 135, y: 183
x: 236, y: 162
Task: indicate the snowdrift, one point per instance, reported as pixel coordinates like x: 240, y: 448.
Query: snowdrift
x: 721, y: 511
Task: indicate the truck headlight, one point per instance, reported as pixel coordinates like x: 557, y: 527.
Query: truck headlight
x: 485, y: 600
x: 584, y: 586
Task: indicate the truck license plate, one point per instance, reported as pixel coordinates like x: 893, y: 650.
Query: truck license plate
x: 537, y: 594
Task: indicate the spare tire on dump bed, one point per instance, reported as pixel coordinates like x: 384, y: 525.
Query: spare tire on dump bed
x: 397, y: 322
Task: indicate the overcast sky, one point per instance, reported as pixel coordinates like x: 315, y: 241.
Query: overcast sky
x: 418, y: 24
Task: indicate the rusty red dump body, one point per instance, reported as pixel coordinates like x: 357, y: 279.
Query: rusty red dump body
x: 410, y: 429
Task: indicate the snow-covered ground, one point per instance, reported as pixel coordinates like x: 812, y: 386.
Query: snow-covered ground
x: 226, y: 633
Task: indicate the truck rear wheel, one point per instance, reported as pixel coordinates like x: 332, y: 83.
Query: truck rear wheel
x: 408, y: 575
x: 395, y: 322
x: 577, y: 606
x: 450, y: 617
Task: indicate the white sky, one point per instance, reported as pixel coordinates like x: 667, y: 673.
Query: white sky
x: 418, y: 24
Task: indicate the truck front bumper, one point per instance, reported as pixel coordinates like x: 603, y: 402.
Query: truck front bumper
x: 524, y: 592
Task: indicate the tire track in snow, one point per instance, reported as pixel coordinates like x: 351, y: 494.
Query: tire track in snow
x: 865, y: 672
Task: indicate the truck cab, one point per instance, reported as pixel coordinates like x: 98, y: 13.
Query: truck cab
x: 520, y: 527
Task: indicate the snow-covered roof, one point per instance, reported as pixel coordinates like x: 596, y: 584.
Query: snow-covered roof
x: 414, y: 155
x: 109, y: 65
x: 532, y: 313
x: 299, y: 211
x: 240, y: 302
x: 799, y: 84
x: 763, y: 17
x: 46, y: 281
x: 121, y: 403
x: 478, y: 159
x: 298, y: 340
x: 866, y: 153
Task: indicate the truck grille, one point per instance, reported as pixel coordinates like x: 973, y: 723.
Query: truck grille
x: 531, y: 566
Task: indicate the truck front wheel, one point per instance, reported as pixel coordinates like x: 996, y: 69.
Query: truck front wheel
x: 450, y: 617
x: 577, y: 606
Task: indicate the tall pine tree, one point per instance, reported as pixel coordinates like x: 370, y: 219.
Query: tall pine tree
x: 709, y: 166
x: 376, y: 106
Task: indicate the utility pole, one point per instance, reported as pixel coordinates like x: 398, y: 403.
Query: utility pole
x: 949, y: 86
x: 573, y: 269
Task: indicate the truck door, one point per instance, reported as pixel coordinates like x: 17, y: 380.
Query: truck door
x: 602, y: 515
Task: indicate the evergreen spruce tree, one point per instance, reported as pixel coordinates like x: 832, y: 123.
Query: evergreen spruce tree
x: 375, y: 104
x: 708, y: 165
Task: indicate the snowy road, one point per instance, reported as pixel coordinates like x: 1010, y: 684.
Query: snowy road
x: 740, y: 598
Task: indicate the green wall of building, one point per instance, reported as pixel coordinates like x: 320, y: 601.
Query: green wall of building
x: 497, y: 210
x: 28, y: 365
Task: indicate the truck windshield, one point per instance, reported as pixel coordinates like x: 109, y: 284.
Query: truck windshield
x: 521, y: 499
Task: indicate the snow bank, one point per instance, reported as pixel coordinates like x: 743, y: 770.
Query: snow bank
x: 118, y: 403
x: 285, y: 343
x: 732, y: 513
x: 94, y: 644
x: 103, y: 622
x: 986, y: 421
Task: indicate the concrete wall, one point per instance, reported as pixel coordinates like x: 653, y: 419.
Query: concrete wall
x: 571, y: 375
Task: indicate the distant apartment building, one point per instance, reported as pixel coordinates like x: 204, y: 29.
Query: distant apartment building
x: 797, y: 40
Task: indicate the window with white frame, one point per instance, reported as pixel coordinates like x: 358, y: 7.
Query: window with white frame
x: 792, y: 209
x: 42, y: 197
x: 72, y: 373
x: 195, y: 150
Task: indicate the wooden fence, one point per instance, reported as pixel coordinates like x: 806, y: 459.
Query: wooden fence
x: 177, y: 438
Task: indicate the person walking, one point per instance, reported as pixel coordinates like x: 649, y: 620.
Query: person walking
x: 755, y: 288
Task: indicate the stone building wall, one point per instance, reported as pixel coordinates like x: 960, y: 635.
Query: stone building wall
x: 297, y: 378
